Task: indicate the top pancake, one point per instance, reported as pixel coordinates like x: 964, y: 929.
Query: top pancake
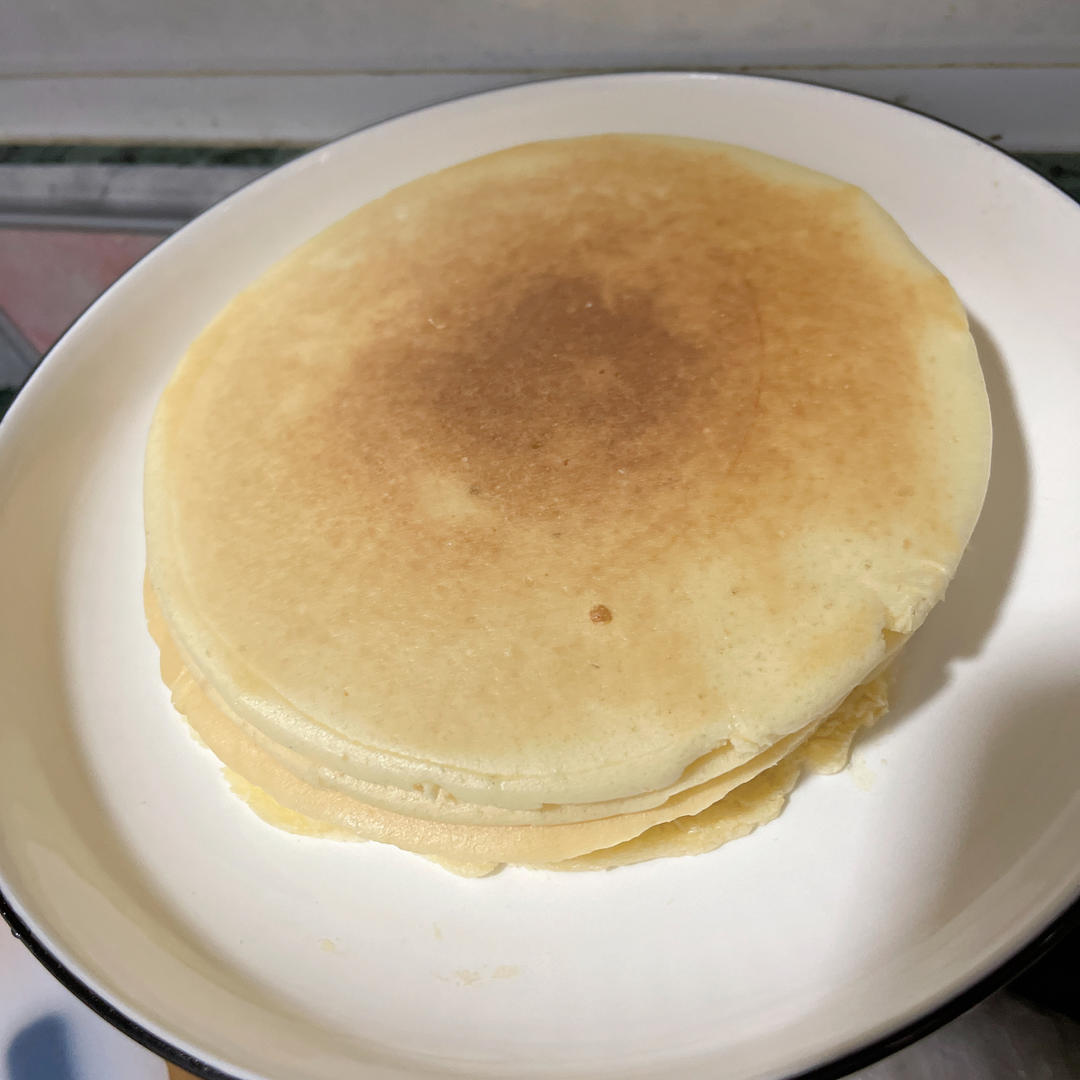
x: 544, y: 476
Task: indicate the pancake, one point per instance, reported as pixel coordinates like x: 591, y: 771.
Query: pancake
x: 697, y: 819
x: 570, y: 488
x: 205, y: 711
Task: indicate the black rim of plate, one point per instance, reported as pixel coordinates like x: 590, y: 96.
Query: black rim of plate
x: 844, y: 1065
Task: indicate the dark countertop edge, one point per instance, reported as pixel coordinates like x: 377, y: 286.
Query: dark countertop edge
x: 1060, y: 167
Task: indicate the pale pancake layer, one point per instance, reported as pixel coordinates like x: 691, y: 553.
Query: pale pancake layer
x: 695, y: 820
x: 564, y: 484
x: 713, y: 775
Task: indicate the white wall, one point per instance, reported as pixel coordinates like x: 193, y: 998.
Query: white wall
x: 301, y: 70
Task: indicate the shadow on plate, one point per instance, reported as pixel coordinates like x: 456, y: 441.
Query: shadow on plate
x: 1022, y: 781
x: 959, y: 625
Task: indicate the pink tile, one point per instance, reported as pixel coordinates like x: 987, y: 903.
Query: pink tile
x: 47, y: 277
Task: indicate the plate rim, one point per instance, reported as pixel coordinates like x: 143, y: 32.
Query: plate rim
x: 851, y: 1061
x: 859, y: 1057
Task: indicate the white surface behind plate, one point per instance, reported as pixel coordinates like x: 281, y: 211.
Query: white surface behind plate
x: 259, y: 71
x: 1021, y: 108
x: 248, y: 36
x: 47, y: 1034
x: 877, y: 894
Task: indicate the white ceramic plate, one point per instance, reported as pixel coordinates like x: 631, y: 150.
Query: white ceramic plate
x: 878, y: 895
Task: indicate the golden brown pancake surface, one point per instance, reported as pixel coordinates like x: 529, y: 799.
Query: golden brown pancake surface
x: 541, y: 479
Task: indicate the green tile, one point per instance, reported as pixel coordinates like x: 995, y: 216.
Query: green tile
x: 1060, y: 169
x: 268, y: 156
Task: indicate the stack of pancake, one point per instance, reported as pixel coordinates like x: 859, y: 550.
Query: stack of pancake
x: 559, y: 508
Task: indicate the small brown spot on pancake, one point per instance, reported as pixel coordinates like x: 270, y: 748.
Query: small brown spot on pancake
x: 601, y: 614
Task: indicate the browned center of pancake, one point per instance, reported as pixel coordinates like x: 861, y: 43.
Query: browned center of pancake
x: 541, y: 394
x: 596, y: 366
x: 533, y: 396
